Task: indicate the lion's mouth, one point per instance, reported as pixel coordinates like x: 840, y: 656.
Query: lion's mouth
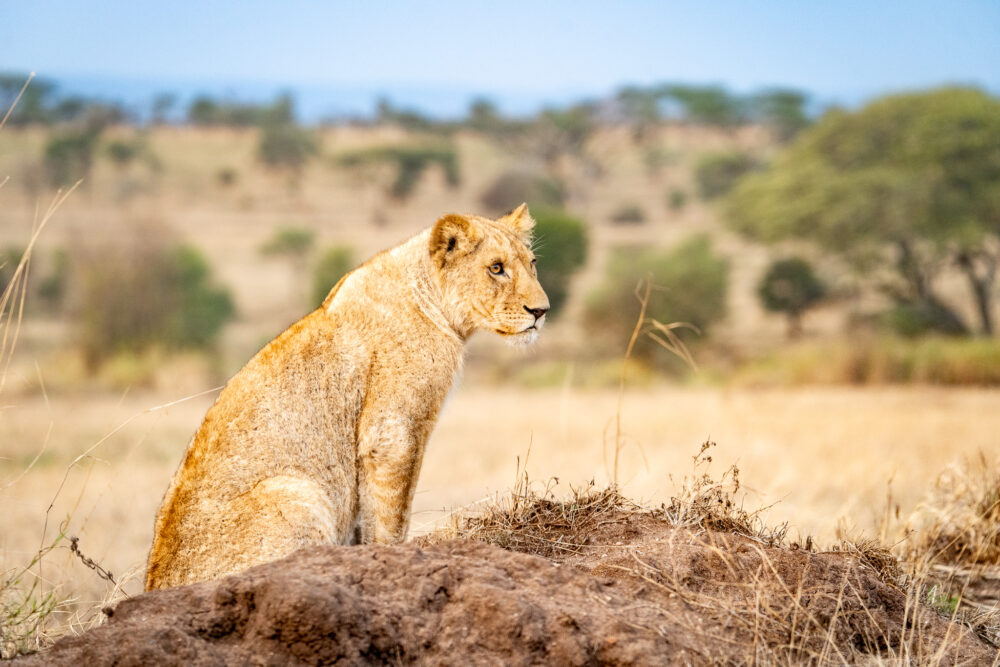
x: 527, y: 329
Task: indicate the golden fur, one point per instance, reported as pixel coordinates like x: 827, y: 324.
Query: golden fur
x: 320, y: 437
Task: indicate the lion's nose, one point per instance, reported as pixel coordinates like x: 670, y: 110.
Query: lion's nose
x: 537, y: 312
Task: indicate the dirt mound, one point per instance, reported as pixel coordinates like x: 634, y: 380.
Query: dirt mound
x: 635, y: 589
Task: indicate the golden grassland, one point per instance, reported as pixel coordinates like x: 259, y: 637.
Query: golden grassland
x: 94, y: 455
x: 832, y: 461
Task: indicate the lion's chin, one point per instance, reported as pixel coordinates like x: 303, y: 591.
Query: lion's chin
x: 521, y: 338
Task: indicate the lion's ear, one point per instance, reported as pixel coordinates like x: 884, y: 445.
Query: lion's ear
x: 522, y: 222
x: 453, y: 236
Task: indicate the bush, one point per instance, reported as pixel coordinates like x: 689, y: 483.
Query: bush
x: 148, y: 292
x: 561, y: 242
x: 207, y: 111
x: 123, y: 152
x: 513, y: 188
x: 410, y: 161
x: 628, y: 214
x: 922, y: 317
x: 286, y: 146
x: 689, y: 285
x: 717, y: 173
x: 294, y: 242
x: 52, y: 285
x: 676, y: 199
x: 333, y: 265
x: 791, y: 287
x: 226, y: 177
x: 10, y: 257
x: 46, y: 280
x: 69, y: 156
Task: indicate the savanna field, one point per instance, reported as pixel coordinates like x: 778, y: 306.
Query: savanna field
x: 847, y: 436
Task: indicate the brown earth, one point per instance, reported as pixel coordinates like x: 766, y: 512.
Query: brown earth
x: 634, y: 589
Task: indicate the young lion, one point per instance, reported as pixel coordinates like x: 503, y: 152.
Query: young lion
x: 320, y: 437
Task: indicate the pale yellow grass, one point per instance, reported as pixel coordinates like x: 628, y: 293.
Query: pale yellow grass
x: 825, y: 454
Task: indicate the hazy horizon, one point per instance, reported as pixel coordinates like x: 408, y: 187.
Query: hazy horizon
x: 337, y: 59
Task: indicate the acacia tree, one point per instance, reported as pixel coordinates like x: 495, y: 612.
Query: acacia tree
x: 791, y: 287
x: 902, y: 188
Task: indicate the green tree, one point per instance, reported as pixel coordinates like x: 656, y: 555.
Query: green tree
x: 690, y: 283
x: 333, y: 265
x: 286, y: 147
x: 203, y: 111
x: 69, y: 155
x: 641, y: 106
x: 123, y: 151
x: 559, y: 132
x: 561, y: 242
x: 904, y: 186
x: 410, y: 162
x: 717, y: 173
x: 485, y: 117
x: 33, y: 106
x: 782, y: 109
x: 386, y: 113
x: 161, y: 106
x: 790, y: 286
x: 710, y: 105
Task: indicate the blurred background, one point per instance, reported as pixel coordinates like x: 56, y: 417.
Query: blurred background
x: 815, y: 190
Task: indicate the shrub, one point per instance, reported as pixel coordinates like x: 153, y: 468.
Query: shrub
x: 286, y: 146
x: 410, y: 161
x: 295, y: 242
x: 146, y: 292
x: 45, y: 279
x: 561, y: 243
x: 676, y: 199
x: 919, y: 318
x: 628, y: 214
x: 10, y: 257
x: 791, y: 287
x: 205, y: 110
x: 717, y: 173
x: 513, y: 188
x: 226, y: 177
x: 690, y: 283
x: 123, y: 152
x: 52, y: 285
x: 69, y: 156
x: 333, y: 265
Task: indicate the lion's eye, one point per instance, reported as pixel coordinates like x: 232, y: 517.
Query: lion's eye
x: 497, y: 268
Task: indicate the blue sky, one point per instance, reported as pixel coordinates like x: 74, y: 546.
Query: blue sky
x: 840, y: 51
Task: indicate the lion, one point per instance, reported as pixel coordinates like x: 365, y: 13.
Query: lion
x: 320, y: 437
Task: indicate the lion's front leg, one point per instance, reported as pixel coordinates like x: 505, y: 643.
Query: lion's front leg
x: 389, y: 456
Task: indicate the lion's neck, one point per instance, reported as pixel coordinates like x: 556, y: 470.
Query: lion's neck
x: 427, y: 294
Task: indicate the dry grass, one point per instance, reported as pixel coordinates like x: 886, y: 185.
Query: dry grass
x: 953, y: 547
x: 878, y: 360
x: 959, y: 523
x: 824, y: 453
x: 29, y: 601
x: 755, y: 598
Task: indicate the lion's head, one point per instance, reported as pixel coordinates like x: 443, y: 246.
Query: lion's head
x: 486, y: 271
